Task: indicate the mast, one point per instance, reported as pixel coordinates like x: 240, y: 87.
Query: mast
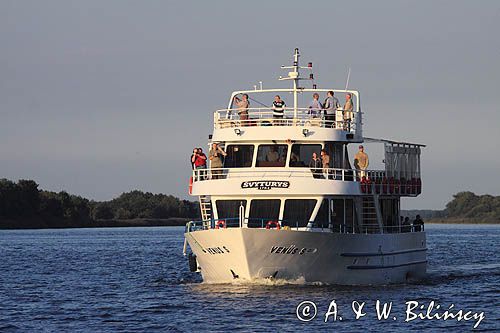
x: 295, y: 80
x: 294, y: 75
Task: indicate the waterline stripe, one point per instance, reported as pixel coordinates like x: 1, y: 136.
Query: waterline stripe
x: 375, y: 254
x: 387, y: 266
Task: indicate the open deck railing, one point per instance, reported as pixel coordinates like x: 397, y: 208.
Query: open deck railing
x: 228, y: 173
x: 370, y: 181
x: 261, y: 223
x: 343, y: 120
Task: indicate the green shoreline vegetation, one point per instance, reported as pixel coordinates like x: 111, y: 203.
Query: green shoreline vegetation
x: 24, y: 206
x: 464, y: 208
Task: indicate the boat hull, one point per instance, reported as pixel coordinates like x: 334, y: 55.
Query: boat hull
x: 226, y: 255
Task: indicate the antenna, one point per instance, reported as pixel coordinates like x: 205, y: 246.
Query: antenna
x: 348, y: 76
x: 294, y: 75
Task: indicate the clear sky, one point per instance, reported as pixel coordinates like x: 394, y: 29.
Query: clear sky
x: 101, y: 97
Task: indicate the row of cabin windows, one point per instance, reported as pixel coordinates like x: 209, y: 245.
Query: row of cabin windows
x: 298, y: 212
x: 241, y: 156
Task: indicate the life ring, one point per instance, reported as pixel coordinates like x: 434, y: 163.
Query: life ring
x: 221, y: 224
x: 273, y: 223
x: 191, y: 185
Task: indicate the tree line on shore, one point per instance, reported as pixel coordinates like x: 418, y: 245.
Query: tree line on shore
x: 22, y: 204
x: 465, y: 206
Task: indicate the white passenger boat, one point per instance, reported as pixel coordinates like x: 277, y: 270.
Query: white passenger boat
x: 268, y: 214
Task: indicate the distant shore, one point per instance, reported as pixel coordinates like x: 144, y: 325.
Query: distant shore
x: 171, y: 222
x: 460, y: 221
x: 59, y: 224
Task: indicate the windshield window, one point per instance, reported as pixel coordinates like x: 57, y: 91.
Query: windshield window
x: 239, y: 156
x: 263, y: 211
x: 302, y: 154
x: 298, y: 212
x: 271, y: 155
x: 229, y: 209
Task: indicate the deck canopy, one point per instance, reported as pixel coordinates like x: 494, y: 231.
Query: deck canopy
x: 402, y: 159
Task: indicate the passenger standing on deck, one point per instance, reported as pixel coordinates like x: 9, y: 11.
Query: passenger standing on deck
x: 214, y: 155
x: 361, y: 162
x: 193, y: 157
x: 406, y: 227
x: 200, y: 163
x: 331, y: 106
x: 348, y: 108
x: 315, y: 106
x: 325, y: 162
x: 315, y: 165
x: 278, y: 108
x: 418, y: 224
x: 243, y: 104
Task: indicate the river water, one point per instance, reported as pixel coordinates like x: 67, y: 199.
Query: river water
x: 137, y: 280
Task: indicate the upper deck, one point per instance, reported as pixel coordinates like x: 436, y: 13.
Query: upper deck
x: 299, y: 122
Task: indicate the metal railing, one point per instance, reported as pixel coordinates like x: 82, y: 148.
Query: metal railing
x: 391, y: 229
x: 370, y: 181
x: 261, y: 223
x: 344, y: 120
x: 304, y: 172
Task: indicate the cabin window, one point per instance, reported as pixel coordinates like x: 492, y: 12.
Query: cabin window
x: 271, y: 155
x: 338, y: 213
x: 390, y: 214
x: 229, y: 210
x: 263, y: 211
x: 298, y: 212
x: 302, y: 154
x: 350, y: 216
x: 336, y: 152
x: 239, y: 156
x: 321, y: 220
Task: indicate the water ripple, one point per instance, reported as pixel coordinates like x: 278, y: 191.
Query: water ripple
x: 137, y: 280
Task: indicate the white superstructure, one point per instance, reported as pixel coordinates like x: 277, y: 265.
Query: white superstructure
x: 267, y: 213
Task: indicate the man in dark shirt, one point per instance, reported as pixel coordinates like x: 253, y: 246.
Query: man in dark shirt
x: 418, y: 224
x: 331, y: 105
x: 315, y: 165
